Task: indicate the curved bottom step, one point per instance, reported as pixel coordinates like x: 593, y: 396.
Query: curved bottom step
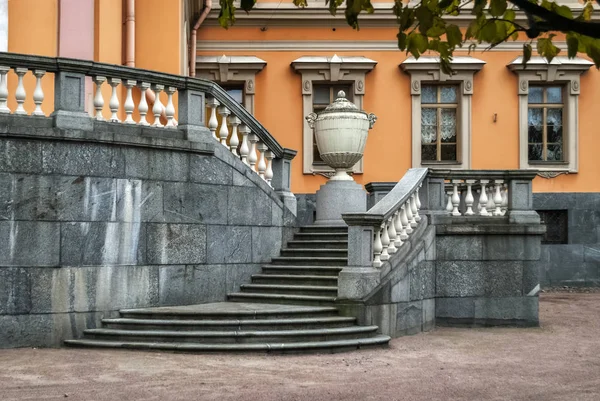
x: 310, y: 346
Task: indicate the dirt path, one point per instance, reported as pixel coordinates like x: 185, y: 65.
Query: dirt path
x: 559, y: 361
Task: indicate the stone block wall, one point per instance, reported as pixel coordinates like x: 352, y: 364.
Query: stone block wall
x: 577, y: 262
x: 486, y: 274
x: 91, y: 222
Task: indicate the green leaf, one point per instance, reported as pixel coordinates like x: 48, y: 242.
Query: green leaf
x: 488, y: 32
x: 588, y: 10
x: 497, y: 7
x: 300, y: 3
x: 247, y: 5
x: 563, y: 11
x: 425, y: 18
x: 546, y: 48
x: 454, y: 35
x: 509, y: 15
x: 515, y: 35
x: 572, y: 45
x: 402, y: 40
x: 438, y: 28
x: 445, y: 4
x: 594, y: 53
x: 417, y: 44
x: 526, y: 53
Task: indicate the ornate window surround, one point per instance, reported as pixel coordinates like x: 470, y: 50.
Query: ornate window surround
x: 336, y: 69
x: 232, y: 69
x: 427, y: 70
x: 565, y: 72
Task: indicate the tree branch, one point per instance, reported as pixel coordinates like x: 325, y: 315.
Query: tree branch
x: 559, y: 22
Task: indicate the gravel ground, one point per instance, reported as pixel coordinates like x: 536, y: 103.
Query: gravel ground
x: 558, y: 361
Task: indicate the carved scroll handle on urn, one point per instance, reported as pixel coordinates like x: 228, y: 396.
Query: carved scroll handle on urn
x: 311, y: 118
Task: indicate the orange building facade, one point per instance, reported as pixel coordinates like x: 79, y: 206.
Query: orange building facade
x: 283, y: 63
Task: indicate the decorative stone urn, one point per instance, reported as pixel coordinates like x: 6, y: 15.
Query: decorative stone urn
x: 341, y: 132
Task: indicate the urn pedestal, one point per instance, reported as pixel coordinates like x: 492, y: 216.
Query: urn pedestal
x: 341, y: 132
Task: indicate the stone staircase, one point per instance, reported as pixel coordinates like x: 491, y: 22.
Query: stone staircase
x: 288, y: 307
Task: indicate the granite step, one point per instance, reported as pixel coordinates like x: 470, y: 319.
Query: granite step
x: 320, y: 243
x: 314, y: 252
x: 294, y: 279
x: 285, y: 299
x: 271, y: 348
x: 300, y: 236
x: 232, y: 336
x: 229, y: 311
x: 310, y: 261
x: 290, y: 289
x: 324, y: 229
x: 302, y: 270
x: 222, y: 325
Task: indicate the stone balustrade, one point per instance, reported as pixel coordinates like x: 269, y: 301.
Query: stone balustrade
x: 228, y: 122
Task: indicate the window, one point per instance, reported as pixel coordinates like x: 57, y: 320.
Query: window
x: 548, y: 113
x: 556, y: 222
x: 544, y: 119
x: 323, y: 96
x: 235, y: 73
x: 439, y: 105
x: 441, y: 111
x: 320, y: 75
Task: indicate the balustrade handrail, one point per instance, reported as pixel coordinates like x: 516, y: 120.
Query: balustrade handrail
x: 93, y: 68
x: 487, y: 174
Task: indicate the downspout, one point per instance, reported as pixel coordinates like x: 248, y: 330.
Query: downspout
x: 130, y: 33
x: 199, y: 21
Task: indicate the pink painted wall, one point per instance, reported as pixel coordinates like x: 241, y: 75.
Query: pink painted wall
x: 76, y: 29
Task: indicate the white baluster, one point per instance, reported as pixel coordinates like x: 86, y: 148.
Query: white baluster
x: 158, y: 107
x: 377, y: 249
x: 38, y: 93
x: 413, y: 209
x: 170, y: 109
x: 143, y: 106
x: 391, y: 229
x: 404, y: 221
x: 269, y: 173
x: 99, y: 98
x: 262, y: 164
x: 483, y: 198
x: 224, y: 130
x: 497, y: 197
x: 113, y: 104
x: 504, y: 204
x: 213, y: 122
x: 129, y: 105
x: 491, y: 205
x: 398, y: 229
x: 455, y: 198
x: 469, y: 199
x: 245, y: 148
x: 449, y: 206
x: 385, y: 242
x: 252, y: 156
x: 4, y: 90
x: 418, y: 203
x: 409, y: 217
x: 20, y: 94
x: 234, y: 141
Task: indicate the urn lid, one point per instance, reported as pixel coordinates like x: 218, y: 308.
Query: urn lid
x: 341, y: 105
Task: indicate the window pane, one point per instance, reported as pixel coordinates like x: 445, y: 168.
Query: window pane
x: 554, y: 153
x: 429, y: 94
x: 321, y: 95
x: 448, y: 125
x: 554, y: 121
x: 448, y: 152
x: 535, y: 152
x: 536, y: 94
x: 428, y: 152
x: 448, y: 94
x: 535, y: 134
x: 237, y: 94
x: 554, y: 94
x: 428, y: 116
x: 535, y: 117
x: 428, y: 134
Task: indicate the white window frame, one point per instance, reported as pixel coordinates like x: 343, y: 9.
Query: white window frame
x: 563, y: 72
x: 232, y: 69
x: 427, y: 70
x: 329, y: 70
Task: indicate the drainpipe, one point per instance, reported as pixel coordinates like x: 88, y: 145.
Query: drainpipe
x: 199, y: 21
x: 130, y: 33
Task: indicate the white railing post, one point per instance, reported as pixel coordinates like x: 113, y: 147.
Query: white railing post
x: 498, y: 197
x: 129, y: 105
x: 213, y: 122
x: 469, y: 199
x: 377, y: 249
x: 143, y: 106
x: 224, y: 130
x: 405, y: 225
x: 385, y: 242
x: 455, y: 198
x: 245, y: 148
x: 483, y: 199
x: 234, y: 140
x: 409, y: 217
x: 157, y: 108
x: 170, y: 109
x: 99, y: 98
x: 504, y: 204
x: 262, y: 164
x: 38, y: 93
x: 392, y: 235
x: 114, y: 100
x: 20, y: 94
x: 414, y: 210
x: 4, y: 90
x: 269, y: 172
x: 449, y: 206
x: 418, y: 202
x: 398, y: 228
x: 252, y: 156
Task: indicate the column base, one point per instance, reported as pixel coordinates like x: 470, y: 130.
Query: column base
x: 338, y: 197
